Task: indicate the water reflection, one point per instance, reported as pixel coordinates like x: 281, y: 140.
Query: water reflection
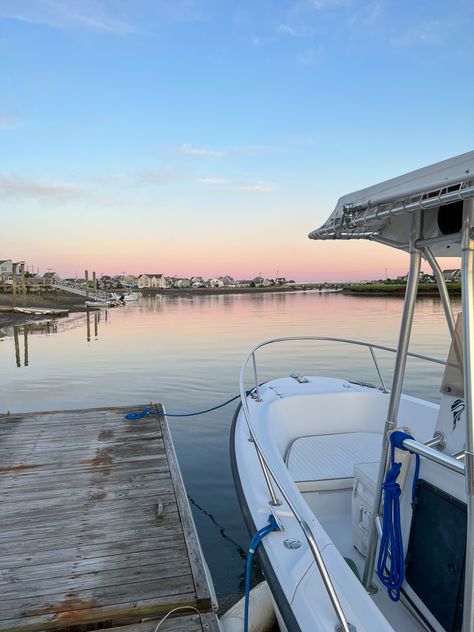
x: 20, y: 333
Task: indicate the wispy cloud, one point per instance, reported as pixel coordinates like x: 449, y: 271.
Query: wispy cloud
x: 9, y: 122
x: 259, y: 186
x: 62, y: 14
x: 429, y: 33
x: 203, y: 152
x: 295, y: 31
x: 24, y: 188
x: 156, y: 176
x: 367, y: 15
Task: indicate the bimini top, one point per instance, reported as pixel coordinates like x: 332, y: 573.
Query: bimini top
x: 382, y: 212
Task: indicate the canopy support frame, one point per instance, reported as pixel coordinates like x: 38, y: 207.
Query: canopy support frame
x: 396, y: 392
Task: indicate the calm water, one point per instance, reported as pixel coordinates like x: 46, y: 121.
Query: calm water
x: 186, y: 353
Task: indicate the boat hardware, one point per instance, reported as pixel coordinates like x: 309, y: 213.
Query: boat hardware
x: 365, y: 384
x: 292, y: 543
x: 438, y: 441
x: 339, y: 628
x: 299, y: 378
x: 277, y: 518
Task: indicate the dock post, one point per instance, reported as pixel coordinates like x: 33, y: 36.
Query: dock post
x: 86, y: 276
x: 23, y: 283
x: 14, y: 267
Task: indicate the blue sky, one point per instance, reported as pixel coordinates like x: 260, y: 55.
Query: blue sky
x: 210, y: 137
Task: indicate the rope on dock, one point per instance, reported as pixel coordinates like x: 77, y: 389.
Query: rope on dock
x: 149, y: 411
x: 175, y: 610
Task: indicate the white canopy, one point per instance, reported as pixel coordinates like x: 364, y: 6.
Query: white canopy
x: 382, y: 212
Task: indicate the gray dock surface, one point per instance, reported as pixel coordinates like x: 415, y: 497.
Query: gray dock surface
x: 81, y: 542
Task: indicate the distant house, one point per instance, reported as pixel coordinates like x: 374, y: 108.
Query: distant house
x: 244, y: 283
x: 6, y: 268
x: 261, y: 282
x: 51, y: 277
x: 197, y: 281
x: 151, y: 280
x: 227, y: 280
x: 280, y: 281
x: 130, y: 280
x: 215, y: 283
x: 182, y: 283
x: 452, y: 276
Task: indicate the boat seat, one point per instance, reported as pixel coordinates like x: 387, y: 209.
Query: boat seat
x: 326, y: 462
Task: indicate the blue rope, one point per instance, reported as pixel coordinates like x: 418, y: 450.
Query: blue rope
x: 257, y: 538
x: 392, y: 574
x: 148, y: 411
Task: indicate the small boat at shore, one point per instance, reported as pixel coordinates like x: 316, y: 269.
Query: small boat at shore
x: 359, y: 497
x: 40, y: 311
x: 127, y: 298
x: 133, y: 296
x: 97, y: 304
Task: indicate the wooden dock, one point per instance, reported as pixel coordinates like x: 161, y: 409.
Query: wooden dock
x: 95, y: 526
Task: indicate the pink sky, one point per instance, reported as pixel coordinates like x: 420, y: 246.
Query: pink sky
x: 246, y: 257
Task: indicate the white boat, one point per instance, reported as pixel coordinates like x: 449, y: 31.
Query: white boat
x: 133, y: 296
x: 130, y: 297
x: 311, y: 453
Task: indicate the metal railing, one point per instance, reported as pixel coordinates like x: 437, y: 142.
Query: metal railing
x: 269, y: 472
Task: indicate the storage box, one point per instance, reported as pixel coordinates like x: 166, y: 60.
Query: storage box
x: 363, y: 493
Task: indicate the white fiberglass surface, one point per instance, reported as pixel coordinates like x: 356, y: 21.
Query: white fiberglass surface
x: 333, y: 511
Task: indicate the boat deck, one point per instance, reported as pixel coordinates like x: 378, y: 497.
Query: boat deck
x: 95, y: 527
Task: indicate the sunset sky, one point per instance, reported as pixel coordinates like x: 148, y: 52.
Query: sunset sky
x: 209, y: 137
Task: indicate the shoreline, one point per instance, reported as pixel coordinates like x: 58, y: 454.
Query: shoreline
x: 75, y: 304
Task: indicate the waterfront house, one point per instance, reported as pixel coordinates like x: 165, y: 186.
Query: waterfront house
x: 130, y: 280
x: 215, y: 283
x: 6, y: 268
x: 51, y: 277
x: 259, y: 281
x: 197, y: 281
x: 452, y: 275
x: 151, y: 280
x: 227, y: 280
x: 180, y: 283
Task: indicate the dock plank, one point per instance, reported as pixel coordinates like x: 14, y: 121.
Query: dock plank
x: 81, y: 542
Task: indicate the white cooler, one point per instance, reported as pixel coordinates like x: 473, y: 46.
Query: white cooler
x: 363, y: 492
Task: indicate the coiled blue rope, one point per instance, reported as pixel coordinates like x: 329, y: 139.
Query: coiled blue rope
x: 148, y: 411
x: 392, y: 573
x: 257, y: 538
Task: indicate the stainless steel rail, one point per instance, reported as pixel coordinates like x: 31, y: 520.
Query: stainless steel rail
x: 269, y: 472
x: 434, y: 455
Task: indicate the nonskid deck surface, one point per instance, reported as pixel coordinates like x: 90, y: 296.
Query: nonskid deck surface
x: 81, y: 539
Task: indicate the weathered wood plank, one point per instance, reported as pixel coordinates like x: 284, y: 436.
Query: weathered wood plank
x: 66, y: 578
x: 67, y: 618
x: 189, y: 529
x: 36, y: 553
